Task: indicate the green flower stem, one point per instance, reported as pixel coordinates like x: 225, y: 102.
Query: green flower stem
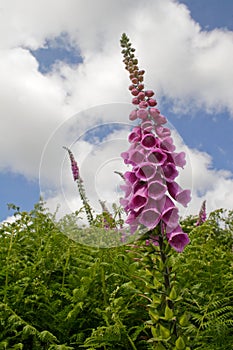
x: 166, y: 269
x: 84, y: 200
x: 162, y: 309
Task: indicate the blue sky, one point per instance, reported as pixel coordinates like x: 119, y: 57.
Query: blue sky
x: 53, y: 55
x: 211, y: 13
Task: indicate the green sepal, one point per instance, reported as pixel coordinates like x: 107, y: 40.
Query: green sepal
x: 154, y: 332
x: 160, y: 346
x: 184, y: 320
x: 161, y: 266
x: 164, y: 332
x: 154, y: 316
x: 156, y: 283
x: 173, y: 294
x: 168, y: 313
x: 155, y: 301
x: 180, y: 344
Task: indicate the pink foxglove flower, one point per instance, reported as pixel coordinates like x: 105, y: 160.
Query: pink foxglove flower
x: 150, y: 187
x: 202, y: 214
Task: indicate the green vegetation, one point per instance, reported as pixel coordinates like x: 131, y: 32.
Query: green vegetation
x: 58, y: 294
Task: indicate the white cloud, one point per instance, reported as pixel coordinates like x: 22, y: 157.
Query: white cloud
x: 31, y: 107
x: 190, y: 67
x: 205, y: 182
x: 9, y: 220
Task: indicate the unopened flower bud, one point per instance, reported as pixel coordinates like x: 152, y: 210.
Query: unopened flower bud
x: 141, y: 72
x: 135, y: 101
x: 152, y: 102
x: 134, y: 80
x: 142, y: 113
x: 135, y: 92
x: 149, y: 93
x: 143, y: 104
x: 133, y: 115
x: 141, y: 95
x: 131, y: 76
x: 140, y: 86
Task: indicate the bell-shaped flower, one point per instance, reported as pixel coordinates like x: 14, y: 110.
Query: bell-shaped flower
x: 139, y: 185
x: 139, y: 199
x: 179, y: 159
x: 145, y: 171
x: 149, y: 218
x: 157, y: 156
x: 162, y: 132
x: 167, y: 144
x: 156, y: 190
x: 130, y: 176
x: 127, y: 155
x: 181, y: 196
x: 170, y: 215
x: 157, y: 117
x: 147, y: 125
x: 127, y: 188
x: 149, y: 141
x: 178, y: 239
x: 137, y: 156
x: 170, y: 172
x: 131, y: 218
x: 135, y: 135
x: 124, y: 202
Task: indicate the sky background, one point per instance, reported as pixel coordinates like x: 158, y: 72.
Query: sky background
x: 63, y: 83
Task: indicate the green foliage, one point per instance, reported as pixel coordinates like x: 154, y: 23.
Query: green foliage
x: 205, y: 272
x: 57, y: 294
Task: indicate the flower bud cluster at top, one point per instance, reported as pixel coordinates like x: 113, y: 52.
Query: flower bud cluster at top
x: 150, y: 187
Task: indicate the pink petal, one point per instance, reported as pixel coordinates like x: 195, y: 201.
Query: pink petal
x: 145, y: 171
x: 158, y: 118
x: 170, y: 215
x: 149, y: 141
x: 137, y: 157
x: 135, y: 135
x: 130, y: 176
x: 157, y: 156
x: 162, y: 132
x: 147, y: 125
x: 167, y: 144
x: 180, y: 195
x: 149, y: 218
x: 170, y: 172
x: 178, y: 239
x: 156, y: 190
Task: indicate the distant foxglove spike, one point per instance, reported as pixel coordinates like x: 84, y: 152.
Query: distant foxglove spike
x: 74, y: 165
x: 202, y: 214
